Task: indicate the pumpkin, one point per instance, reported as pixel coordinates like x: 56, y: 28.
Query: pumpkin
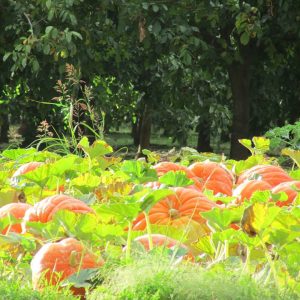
x: 166, y: 166
x: 273, y: 175
x: 164, y: 241
x: 18, y: 211
x: 177, y: 209
x: 247, y: 188
x: 55, y: 262
x: 26, y: 168
x: 44, y: 210
x: 213, y: 176
x: 288, y: 187
x: 156, y: 185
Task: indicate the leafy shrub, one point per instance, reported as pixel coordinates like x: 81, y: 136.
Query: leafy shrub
x: 285, y: 136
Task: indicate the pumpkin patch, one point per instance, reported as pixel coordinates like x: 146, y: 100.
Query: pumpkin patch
x: 204, y: 213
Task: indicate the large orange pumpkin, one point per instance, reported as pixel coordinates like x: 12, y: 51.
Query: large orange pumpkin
x: 156, y: 185
x: 289, y: 187
x: 247, y: 188
x: 44, y: 210
x: 273, y: 175
x: 213, y: 177
x: 162, y: 240
x: 55, y: 262
x: 18, y: 211
x: 166, y: 166
x: 177, y: 209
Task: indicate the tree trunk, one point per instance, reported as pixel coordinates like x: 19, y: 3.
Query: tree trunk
x: 4, y: 128
x: 135, y: 132
x: 145, y: 130
x: 203, y: 142
x: 239, y: 79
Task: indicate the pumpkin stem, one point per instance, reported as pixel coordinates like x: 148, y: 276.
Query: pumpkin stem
x: 174, y: 213
x: 73, y: 259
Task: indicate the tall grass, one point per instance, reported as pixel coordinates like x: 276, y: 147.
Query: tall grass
x: 154, y: 278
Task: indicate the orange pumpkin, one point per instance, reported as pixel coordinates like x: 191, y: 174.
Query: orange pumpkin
x: 273, y: 175
x: 177, y: 209
x: 213, y: 177
x: 44, y: 210
x: 162, y: 240
x: 55, y: 262
x: 18, y: 211
x: 156, y: 185
x: 288, y: 187
x: 247, y: 188
x: 166, y: 166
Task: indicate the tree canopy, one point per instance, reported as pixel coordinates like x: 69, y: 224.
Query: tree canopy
x: 227, y: 68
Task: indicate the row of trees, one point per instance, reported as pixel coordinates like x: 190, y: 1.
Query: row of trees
x: 229, y: 68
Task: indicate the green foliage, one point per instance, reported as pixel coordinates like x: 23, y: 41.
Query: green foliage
x: 285, y: 136
x: 153, y: 277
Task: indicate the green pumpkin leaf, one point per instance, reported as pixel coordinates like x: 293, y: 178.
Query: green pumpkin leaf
x: 220, y: 219
x: 138, y: 171
x: 98, y: 149
x: 293, y: 154
x: 176, y: 179
x: 18, y: 155
x: 258, y: 217
x: 153, y: 197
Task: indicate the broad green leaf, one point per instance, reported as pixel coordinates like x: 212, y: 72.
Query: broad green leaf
x: 281, y: 196
x: 280, y: 237
x: 123, y: 212
x: 225, y: 235
x: 224, y: 199
x: 97, y: 149
x: 18, y: 154
x: 248, y: 144
x: 86, y: 182
x: 15, y: 239
x: 250, y: 162
x: 258, y: 217
x: 4, y: 178
x: 290, y: 255
x: 175, y: 178
x: 293, y: 154
x: 260, y: 196
x: 39, y: 176
x: 295, y: 174
x: 220, y: 219
x: 138, y: 171
x: 69, y: 164
x: 153, y: 197
x: 261, y: 144
x: 152, y: 157
x: 205, y: 245
x: 8, y: 195
x: 81, y: 279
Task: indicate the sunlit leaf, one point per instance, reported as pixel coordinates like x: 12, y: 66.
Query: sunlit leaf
x: 97, y: 149
x: 153, y: 197
x: 293, y: 154
x: 258, y: 217
x: 220, y: 219
x: 86, y: 182
x: 175, y: 178
x: 138, y: 171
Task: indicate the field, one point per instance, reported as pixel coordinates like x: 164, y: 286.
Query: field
x: 184, y: 225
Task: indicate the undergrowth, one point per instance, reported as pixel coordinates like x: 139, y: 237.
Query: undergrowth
x: 155, y: 278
